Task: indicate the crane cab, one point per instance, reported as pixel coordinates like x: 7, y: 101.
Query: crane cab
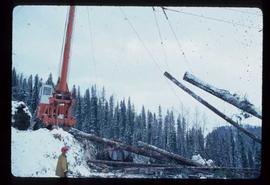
x: 55, y: 107
x: 45, y: 93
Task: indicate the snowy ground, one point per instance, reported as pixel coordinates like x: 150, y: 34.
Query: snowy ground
x: 197, y: 158
x: 35, y: 153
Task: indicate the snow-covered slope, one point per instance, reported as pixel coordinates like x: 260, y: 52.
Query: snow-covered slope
x: 35, y: 153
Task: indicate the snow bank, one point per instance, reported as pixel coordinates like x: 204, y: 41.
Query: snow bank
x: 35, y: 153
x: 14, y: 108
x: 198, y: 158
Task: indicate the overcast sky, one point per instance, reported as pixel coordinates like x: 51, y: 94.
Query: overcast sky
x: 127, y: 49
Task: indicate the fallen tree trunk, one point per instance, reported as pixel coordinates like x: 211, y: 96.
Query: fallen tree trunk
x: 127, y: 164
x: 225, y: 95
x: 167, y: 154
x: 208, y: 169
x: 137, y: 150
x: 212, y: 108
x: 166, y: 166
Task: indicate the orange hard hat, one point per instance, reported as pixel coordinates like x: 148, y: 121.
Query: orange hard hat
x: 64, y: 149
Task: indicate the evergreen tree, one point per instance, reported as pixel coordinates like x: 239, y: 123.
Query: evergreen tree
x: 250, y: 159
x: 257, y: 157
x: 21, y: 119
x: 149, y: 127
x: 74, y: 97
x: 130, y: 123
x: 74, y: 92
x: 221, y: 146
x: 101, y: 113
x: 15, y: 84
x: 86, y: 116
x: 200, y: 140
x: 159, y: 129
x: 30, y: 93
x: 228, y: 147
x: 138, y: 132
x: 111, y: 121
x: 166, y: 131
x: 233, y: 149
x: 106, y: 128
x: 116, y: 127
x: 94, y: 111
x: 78, y: 113
x: 143, y: 125
x: 184, y: 136
x: 50, y: 80
x: 123, y: 119
x: 155, y: 137
x: 14, y: 77
x: 20, y: 80
x: 179, y: 134
x: 18, y: 87
x: 22, y: 91
x: 212, y: 146
x: 172, y: 133
x: 244, y: 160
x: 35, y: 98
x: 40, y: 82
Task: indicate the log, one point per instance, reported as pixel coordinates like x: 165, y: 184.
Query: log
x: 209, y: 169
x: 97, y: 166
x: 137, y: 150
x: 166, y: 166
x: 168, y: 155
x: 127, y: 164
x: 212, y: 108
x: 233, y: 99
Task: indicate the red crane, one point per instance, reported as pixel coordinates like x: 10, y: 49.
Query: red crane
x: 55, y: 105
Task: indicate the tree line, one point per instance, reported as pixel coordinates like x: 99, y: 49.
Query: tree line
x: 119, y: 120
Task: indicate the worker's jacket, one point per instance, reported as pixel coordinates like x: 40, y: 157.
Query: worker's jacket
x: 62, y: 166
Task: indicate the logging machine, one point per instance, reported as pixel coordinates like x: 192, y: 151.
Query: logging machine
x: 55, y: 105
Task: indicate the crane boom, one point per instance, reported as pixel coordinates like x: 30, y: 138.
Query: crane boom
x: 62, y: 85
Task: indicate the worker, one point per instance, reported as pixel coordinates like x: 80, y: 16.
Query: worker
x: 62, y: 166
